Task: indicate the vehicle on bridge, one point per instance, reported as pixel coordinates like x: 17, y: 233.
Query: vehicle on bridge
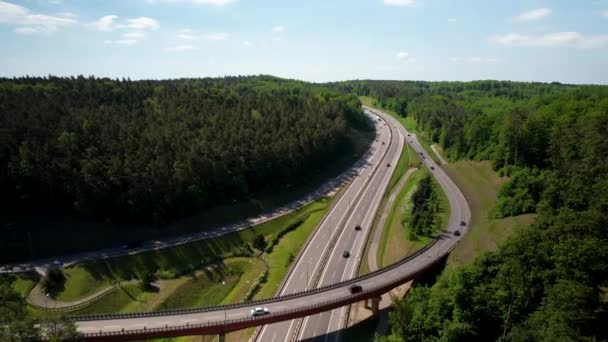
x: 355, y: 289
x: 357, y: 227
x: 259, y: 312
x: 346, y: 254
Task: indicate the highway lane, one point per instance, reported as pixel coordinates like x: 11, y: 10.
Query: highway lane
x: 392, y: 276
x: 340, y: 268
x: 327, y: 325
x: 309, y: 263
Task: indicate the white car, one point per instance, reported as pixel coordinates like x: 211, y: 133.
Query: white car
x: 259, y: 312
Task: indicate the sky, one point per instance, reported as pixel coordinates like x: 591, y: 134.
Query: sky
x: 313, y: 40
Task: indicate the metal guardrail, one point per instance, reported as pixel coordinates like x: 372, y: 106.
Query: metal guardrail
x: 97, y: 317
x: 274, y: 317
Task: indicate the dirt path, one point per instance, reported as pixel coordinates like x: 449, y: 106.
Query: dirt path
x: 38, y: 298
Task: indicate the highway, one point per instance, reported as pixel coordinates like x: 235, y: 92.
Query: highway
x: 363, y: 195
x: 356, y: 211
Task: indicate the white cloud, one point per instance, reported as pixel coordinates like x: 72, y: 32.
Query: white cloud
x: 128, y: 42
x: 134, y: 35
x: 533, y: 15
x: 474, y: 60
x: 398, y: 2
x: 451, y: 20
x: 567, y: 39
x: 604, y: 13
x: 217, y: 36
x: 247, y: 43
x: 182, y: 48
x: 405, y: 57
x: 143, y: 23
x: 216, y: 3
x: 106, y: 23
x: 278, y: 29
x: 28, y: 22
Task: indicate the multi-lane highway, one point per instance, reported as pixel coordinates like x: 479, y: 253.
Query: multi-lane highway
x: 358, y: 209
x: 322, y: 256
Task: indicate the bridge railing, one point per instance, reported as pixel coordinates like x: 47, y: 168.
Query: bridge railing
x: 260, y: 302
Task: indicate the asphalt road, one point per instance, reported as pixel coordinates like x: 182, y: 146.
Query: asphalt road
x: 338, y: 267
x: 347, y: 213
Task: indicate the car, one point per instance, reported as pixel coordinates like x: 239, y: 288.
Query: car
x: 432, y: 168
x: 420, y: 153
x: 133, y: 245
x: 423, y: 157
x: 346, y: 254
x: 462, y: 223
x: 383, y: 143
x: 259, y: 311
x: 388, y: 164
x: 409, y: 135
x: 355, y: 289
x: 357, y: 227
x: 457, y: 233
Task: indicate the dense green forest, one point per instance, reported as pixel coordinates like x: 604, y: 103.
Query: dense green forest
x: 548, y: 283
x: 155, y: 151
x: 425, y: 205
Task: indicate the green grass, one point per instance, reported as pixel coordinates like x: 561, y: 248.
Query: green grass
x: 394, y: 244
x: 210, y: 286
x: 290, y: 245
x: 172, y: 262
x: 80, y: 284
x: 23, y: 283
x: 407, y: 160
x: 225, y: 282
x: 480, y: 185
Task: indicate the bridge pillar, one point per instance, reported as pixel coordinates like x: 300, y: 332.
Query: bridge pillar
x: 375, y: 304
x: 222, y: 337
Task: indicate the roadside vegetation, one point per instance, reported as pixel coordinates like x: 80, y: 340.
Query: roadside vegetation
x: 227, y: 269
x: 544, y: 282
x: 123, y: 159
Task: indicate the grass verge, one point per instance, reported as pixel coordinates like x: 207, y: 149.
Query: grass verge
x: 480, y: 185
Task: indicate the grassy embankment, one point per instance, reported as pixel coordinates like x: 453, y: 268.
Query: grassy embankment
x: 207, y: 272
x: 480, y: 185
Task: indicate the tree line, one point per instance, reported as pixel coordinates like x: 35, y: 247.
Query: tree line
x: 155, y: 151
x: 548, y: 282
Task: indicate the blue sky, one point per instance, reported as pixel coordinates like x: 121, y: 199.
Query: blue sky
x: 313, y: 40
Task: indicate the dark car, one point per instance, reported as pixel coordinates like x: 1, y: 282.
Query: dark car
x: 357, y: 227
x: 409, y: 135
x: 355, y: 289
x: 420, y: 153
x: 457, y: 233
x: 423, y: 157
x: 432, y: 168
x: 346, y: 254
x: 383, y: 143
x: 133, y: 245
x: 462, y: 223
x: 388, y: 165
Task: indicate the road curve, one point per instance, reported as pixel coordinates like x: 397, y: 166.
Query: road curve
x: 290, y: 306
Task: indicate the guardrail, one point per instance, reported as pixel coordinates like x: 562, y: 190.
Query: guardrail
x: 241, y: 323
x: 98, y: 317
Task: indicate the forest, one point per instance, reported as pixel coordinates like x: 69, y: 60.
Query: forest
x: 549, y: 281
x: 156, y: 151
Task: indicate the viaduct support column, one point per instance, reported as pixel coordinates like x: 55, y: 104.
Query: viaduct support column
x: 375, y: 304
x: 222, y: 337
